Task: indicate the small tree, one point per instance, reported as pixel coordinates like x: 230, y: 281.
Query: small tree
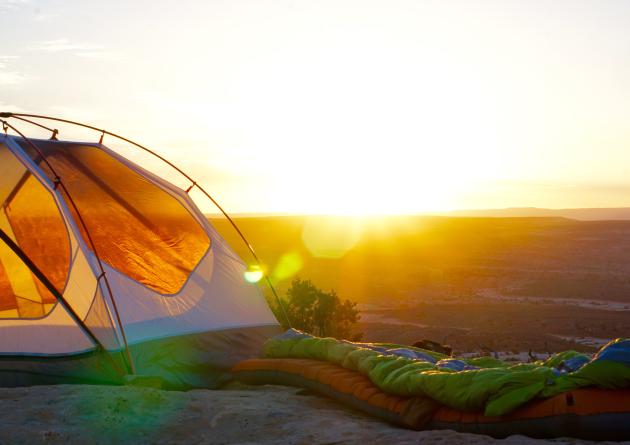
x: 324, y: 314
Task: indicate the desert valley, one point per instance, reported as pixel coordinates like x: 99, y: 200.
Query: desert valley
x: 480, y: 284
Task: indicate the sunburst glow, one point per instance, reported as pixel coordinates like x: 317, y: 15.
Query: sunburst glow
x: 348, y: 107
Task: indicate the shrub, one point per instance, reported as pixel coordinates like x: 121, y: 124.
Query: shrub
x: 320, y: 313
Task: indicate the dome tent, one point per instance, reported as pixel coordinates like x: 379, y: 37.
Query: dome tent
x: 108, y: 270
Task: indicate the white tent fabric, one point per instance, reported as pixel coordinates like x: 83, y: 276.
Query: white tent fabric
x: 145, y: 231
x: 56, y: 333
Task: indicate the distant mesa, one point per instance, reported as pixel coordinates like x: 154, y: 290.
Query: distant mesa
x: 586, y: 214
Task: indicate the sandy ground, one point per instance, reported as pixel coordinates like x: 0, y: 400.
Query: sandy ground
x: 270, y: 414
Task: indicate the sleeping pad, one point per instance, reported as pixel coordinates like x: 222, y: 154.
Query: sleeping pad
x: 482, y: 384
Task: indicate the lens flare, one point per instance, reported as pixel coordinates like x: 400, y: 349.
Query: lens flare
x: 331, y: 237
x: 253, y: 274
x: 288, y: 265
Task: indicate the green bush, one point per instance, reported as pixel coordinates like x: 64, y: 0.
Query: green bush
x: 320, y: 313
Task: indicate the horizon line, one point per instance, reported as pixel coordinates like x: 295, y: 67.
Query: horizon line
x: 424, y: 213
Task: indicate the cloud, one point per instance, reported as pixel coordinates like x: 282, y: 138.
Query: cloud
x: 8, y: 6
x: 8, y: 76
x: 96, y: 55
x: 8, y: 106
x: 84, y: 114
x: 45, y: 16
x: 61, y: 45
x: 11, y: 5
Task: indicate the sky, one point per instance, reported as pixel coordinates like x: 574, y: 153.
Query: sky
x: 342, y: 106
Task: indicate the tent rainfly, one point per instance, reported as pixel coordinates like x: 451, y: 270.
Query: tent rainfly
x: 107, y: 270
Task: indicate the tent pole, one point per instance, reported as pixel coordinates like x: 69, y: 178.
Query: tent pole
x: 23, y: 116
x: 58, y: 183
x: 51, y: 287
x: 58, y: 295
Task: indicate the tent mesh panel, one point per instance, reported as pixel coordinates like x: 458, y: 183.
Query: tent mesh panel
x: 30, y: 216
x: 99, y: 322
x: 19, y: 295
x: 137, y: 227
